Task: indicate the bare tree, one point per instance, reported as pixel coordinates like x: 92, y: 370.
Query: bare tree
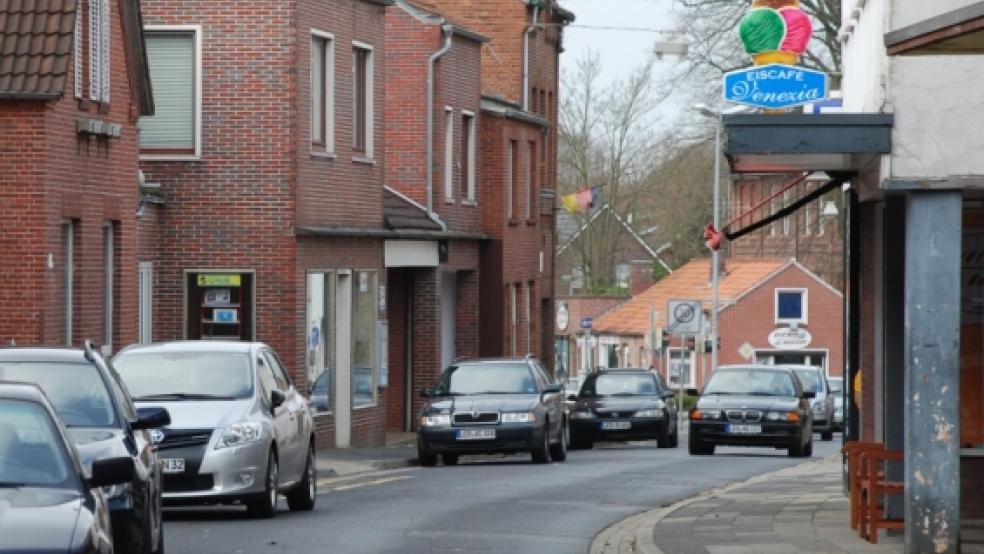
x: 607, y: 139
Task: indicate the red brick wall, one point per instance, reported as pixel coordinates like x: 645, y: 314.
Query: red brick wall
x: 51, y: 175
x: 753, y: 318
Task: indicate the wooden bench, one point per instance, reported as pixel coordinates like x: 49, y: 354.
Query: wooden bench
x: 875, y: 485
x: 856, y: 475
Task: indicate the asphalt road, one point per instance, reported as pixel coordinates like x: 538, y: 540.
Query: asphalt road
x: 487, y: 504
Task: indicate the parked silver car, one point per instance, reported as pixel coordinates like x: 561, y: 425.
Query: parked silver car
x: 837, y: 391
x: 822, y: 405
x: 239, y: 430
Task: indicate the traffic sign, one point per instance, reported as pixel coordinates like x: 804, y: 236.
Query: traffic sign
x: 775, y: 86
x: 684, y: 316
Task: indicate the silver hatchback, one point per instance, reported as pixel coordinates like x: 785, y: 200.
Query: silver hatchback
x: 239, y: 430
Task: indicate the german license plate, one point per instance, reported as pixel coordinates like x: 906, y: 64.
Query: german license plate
x: 744, y: 429
x: 615, y: 425
x: 474, y: 434
x: 173, y: 465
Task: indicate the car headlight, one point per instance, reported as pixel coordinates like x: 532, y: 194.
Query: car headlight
x: 698, y: 414
x: 238, y: 434
x: 582, y: 415
x: 435, y: 420
x: 518, y: 417
x: 782, y: 416
x: 649, y: 413
x: 818, y: 407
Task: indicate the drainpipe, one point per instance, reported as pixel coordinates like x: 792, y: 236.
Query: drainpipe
x: 448, y: 32
x: 526, y: 54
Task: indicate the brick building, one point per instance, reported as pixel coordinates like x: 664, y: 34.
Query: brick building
x: 267, y: 156
x: 783, y: 311
x: 72, y: 84
x: 520, y: 83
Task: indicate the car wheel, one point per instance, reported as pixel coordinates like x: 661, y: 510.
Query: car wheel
x: 558, y: 452
x: 449, y: 459
x: 303, y: 496
x: 424, y: 457
x: 541, y: 454
x: 798, y: 449
x: 264, y: 505
x: 675, y: 437
x: 663, y: 439
x: 827, y: 435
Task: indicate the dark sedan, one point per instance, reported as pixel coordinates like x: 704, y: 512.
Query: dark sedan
x: 753, y: 405
x: 92, y: 402
x: 48, y: 502
x: 624, y: 404
x: 490, y: 406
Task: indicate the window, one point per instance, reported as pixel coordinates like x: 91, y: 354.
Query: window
x: 449, y: 154
x: 529, y: 317
x: 279, y: 375
x: 622, y: 273
x: 320, y: 356
x: 265, y: 372
x: 511, y: 180
x: 174, y: 131
x: 512, y: 319
x: 68, y: 277
x: 145, y: 308
x: 322, y: 92
x: 528, y: 182
x: 791, y: 305
x: 109, y: 268
x: 362, y: 98
x: 543, y: 103
x: 99, y: 48
x: 785, y: 220
x: 533, y: 97
x: 468, y: 154
x: 364, y: 359
x: 219, y: 306
x: 773, y: 209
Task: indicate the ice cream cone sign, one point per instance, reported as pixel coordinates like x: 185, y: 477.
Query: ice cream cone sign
x: 775, y: 31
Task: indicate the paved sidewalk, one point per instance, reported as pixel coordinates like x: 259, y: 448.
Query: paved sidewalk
x: 400, y: 451
x: 799, y: 509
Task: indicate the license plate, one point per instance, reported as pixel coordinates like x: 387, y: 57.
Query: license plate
x: 744, y: 429
x: 173, y: 465
x: 615, y: 425
x: 475, y: 434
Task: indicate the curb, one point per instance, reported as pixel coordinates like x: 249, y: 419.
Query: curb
x: 635, y: 534
x: 371, y: 466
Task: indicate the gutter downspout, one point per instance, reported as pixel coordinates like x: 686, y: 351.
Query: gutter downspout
x: 448, y: 33
x: 526, y: 54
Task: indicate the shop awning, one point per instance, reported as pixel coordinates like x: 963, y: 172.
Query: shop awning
x: 959, y: 31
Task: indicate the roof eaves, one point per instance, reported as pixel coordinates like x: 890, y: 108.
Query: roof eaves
x: 18, y: 95
x: 503, y: 108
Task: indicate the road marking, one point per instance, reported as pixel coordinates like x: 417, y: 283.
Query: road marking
x: 345, y: 479
x: 369, y: 483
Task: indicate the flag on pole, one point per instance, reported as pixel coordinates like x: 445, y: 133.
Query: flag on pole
x: 582, y: 201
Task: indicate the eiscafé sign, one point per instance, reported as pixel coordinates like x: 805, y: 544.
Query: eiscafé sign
x: 790, y: 338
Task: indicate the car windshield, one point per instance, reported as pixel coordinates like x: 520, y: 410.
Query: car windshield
x: 621, y: 384
x: 753, y: 382
x: 185, y: 375
x: 76, y: 390
x: 836, y: 386
x: 810, y: 379
x: 494, y: 378
x: 32, y: 454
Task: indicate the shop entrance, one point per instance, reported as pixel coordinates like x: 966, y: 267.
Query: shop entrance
x: 795, y: 357
x: 219, y: 306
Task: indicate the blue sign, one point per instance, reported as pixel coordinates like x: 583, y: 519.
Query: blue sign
x: 775, y: 86
x: 586, y: 322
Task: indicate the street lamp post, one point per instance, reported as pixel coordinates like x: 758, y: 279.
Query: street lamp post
x: 715, y: 264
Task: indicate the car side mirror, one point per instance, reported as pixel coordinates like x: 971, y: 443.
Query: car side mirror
x: 427, y: 393
x: 572, y: 397
x: 693, y: 392
x: 808, y: 394
x: 552, y: 388
x: 112, y: 471
x: 667, y: 395
x: 151, y: 417
x: 277, y: 399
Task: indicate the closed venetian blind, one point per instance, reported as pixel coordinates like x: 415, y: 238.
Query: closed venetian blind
x: 172, y: 75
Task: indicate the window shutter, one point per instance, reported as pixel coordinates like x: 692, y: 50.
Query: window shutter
x: 94, y: 48
x: 105, y: 41
x: 172, y: 76
x: 78, y: 49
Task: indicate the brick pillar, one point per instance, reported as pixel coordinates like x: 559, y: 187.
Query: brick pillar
x: 426, y: 321
x: 467, y: 299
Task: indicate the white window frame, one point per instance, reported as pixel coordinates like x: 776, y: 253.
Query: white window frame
x: 785, y: 220
x: 99, y: 50
x: 79, y: 50
x: 369, y: 154
x: 328, y: 110
x: 773, y: 203
x: 196, y: 30
x: 804, y: 302
x: 449, y: 154
x: 468, y: 122
x: 145, y: 307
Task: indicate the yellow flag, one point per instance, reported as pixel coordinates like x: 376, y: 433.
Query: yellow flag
x: 570, y: 203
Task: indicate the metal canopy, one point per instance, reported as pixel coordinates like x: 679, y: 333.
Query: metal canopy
x: 960, y: 31
x: 794, y: 142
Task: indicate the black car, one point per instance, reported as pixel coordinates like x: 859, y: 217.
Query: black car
x: 752, y: 405
x: 486, y: 406
x: 624, y: 404
x: 48, y: 502
x: 95, y: 407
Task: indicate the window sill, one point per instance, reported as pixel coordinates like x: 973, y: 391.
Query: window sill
x: 366, y: 407
x: 513, y: 223
x: 364, y: 161
x: 471, y: 203
x: 323, y: 156
x: 170, y: 157
x: 796, y: 322
x: 449, y: 201
x: 322, y: 414
x: 531, y: 222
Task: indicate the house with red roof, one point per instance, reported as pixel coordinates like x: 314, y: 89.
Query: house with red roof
x: 770, y: 311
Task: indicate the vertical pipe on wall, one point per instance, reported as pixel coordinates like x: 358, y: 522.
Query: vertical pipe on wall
x: 448, y: 33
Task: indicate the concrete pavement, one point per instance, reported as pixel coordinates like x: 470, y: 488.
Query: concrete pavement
x: 793, y: 510
x: 400, y: 451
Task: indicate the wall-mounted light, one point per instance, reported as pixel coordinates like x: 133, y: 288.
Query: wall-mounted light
x: 830, y: 209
